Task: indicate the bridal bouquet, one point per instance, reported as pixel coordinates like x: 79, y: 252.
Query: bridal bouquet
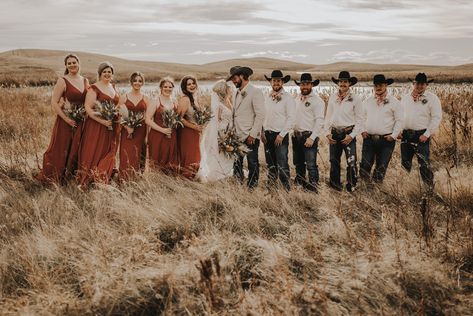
x: 203, y: 115
x: 74, y: 111
x: 230, y: 144
x: 172, y: 120
x: 131, y: 119
x: 106, y: 110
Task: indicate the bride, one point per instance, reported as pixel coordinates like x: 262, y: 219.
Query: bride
x: 215, y: 165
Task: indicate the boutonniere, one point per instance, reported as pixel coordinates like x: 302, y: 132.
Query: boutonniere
x: 349, y: 99
x: 276, y: 97
x: 243, y: 94
x: 307, y: 104
x: 385, y: 101
x: 424, y: 101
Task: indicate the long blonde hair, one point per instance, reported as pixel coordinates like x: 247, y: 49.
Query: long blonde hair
x: 222, y: 90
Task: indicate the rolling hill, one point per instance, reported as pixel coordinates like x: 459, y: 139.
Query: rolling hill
x: 38, y: 66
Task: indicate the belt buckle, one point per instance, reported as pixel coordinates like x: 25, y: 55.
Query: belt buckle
x: 376, y: 137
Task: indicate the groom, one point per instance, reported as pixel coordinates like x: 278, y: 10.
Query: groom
x: 248, y: 117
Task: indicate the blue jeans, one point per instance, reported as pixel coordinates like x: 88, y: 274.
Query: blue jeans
x: 277, y: 158
x: 305, y: 158
x: 411, y: 146
x: 253, y: 166
x: 379, y: 151
x: 336, y: 151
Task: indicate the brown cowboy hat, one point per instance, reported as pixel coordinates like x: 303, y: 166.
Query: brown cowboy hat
x: 239, y: 70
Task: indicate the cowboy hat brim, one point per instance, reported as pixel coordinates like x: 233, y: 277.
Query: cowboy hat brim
x: 352, y: 80
x: 413, y: 80
x: 314, y: 83
x: 285, y: 79
x: 240, y: 71
x: 389, y: 82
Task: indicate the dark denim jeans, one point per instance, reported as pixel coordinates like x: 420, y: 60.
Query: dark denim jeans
x: 305, y: 158
x: 253, y: 166
x: 376, y: 151
x: 277, y: 158
x: 411, y: 146
x: 336, y: 151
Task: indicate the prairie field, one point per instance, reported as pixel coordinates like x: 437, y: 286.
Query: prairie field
x: 161, y: 245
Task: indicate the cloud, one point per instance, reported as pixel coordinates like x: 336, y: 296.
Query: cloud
x: 269, y: 53
x: 209, y: 53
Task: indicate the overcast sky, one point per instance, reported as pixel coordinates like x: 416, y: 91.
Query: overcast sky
x: 436, y: 32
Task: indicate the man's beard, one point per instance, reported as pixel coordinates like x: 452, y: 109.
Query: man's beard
x: 277, y: 89
x: 306, y: 91
x: 238, y: 84
x: 379, y: 92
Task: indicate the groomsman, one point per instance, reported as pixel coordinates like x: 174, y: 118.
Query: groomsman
x: 308, y: 125
x: 248, y: 116
x: 343, y: 121
x: 383, y: 124
x: 423, y: 114
x: 280, y: 111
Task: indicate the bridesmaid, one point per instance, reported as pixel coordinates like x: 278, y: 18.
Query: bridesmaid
x: 162, y: 141
x: 60, y: 158
x: 132, y: 148
x: 189, y: 137
x: 99, y: 144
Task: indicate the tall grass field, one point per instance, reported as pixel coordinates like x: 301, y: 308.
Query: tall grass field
x: 161, y: 245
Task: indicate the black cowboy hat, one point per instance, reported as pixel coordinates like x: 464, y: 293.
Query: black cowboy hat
x: 306, y: 77
x: 277, y: 74
x: 421, y: 78
x: 345, y: 75
x: 239, y: 70
x: 378, y: 79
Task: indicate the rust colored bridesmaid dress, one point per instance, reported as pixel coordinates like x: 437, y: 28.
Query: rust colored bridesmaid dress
x: 62, y: 150
x: 163, y: 150
x: 132, y: 150
x: 98, y: 148
x: 188, y: 142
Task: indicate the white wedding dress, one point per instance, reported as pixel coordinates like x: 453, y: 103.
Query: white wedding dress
x: 214, y: 165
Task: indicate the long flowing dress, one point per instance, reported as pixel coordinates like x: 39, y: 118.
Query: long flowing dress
x: 62, y: 148
x: 162, y: 150
x: 188, y: 141
x: 214, y: 164
x: 98, y: 147
x: 132, y: 149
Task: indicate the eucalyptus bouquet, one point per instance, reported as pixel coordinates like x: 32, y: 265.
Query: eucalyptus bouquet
x: 106, y: 110
x: 131, y: 119
x: 230, y: 144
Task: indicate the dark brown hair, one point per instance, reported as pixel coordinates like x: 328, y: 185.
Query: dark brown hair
x: 137, y: 74
x: 66, y: 71
x: 184, y: 88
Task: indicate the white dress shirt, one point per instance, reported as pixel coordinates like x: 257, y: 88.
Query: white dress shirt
x: 309, y: 114
x: 423, y: 114
x: 382, y: 119
x: 347, y: 113
x: 280, y: 115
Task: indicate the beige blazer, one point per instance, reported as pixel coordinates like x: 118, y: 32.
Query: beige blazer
x: 249, y: 112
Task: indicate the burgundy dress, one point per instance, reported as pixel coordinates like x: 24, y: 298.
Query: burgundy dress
x: 98, y: 148
x: 188, y: 141
x: 62, y: 150
x: 163, y: 150
x: 133, y: 150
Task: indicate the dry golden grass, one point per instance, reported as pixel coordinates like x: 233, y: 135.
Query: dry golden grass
x: 163, y: 245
